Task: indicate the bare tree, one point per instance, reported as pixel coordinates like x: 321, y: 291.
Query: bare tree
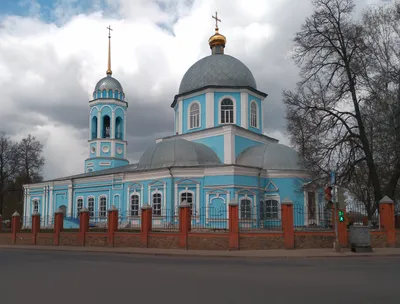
x: 8, y: 163
x: 334, y: 104
x: 31, y: 159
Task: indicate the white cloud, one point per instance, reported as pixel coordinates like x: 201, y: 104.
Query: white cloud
x: 50, y: 70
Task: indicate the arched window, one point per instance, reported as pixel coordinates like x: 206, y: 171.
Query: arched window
x: 94, y: 127
x: 98, y: 93
x: 194, y: 115
x: 110, y: 94
x: 188, y: 197
x: 245, y: 209
x: 118, y: 128
x: 134, y: 205
x: 157, y: 204
x: 227, y: 111
x: 35, y: 206
x: 106, y: 126
x: 253, y: 114
x: 79, y: 205
x: 103, y: 206
x: 116, y: 94
x: 104, y: 94
x: 91, y: 206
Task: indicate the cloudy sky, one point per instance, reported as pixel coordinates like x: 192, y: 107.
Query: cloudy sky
x: 52, y: 53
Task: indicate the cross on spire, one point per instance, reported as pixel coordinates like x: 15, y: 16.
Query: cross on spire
x: 216, y: 20
x: 109, y: 31
x: 109, y: 72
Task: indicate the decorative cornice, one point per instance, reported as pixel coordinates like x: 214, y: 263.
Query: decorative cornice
x: 260, y: 94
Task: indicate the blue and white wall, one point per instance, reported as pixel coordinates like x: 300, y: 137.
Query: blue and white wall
x: 208, y: 189
x: 107, y: 135
x: 202, y: 110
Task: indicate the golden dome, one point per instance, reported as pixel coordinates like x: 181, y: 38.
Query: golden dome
x: 217, y: 39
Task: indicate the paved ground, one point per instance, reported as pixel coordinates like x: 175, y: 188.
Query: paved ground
x: 280, y: 253
x: 32, y: 276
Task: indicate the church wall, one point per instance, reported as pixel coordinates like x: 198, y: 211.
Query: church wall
x: 242, y: 143
x: 259, y: 114
x: 201, y: 99
x: 105, y: 149
x: 218, y: 97
x: 216, y: 143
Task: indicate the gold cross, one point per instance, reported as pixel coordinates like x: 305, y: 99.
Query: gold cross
x: 216, y: 19
x: 109, y: 31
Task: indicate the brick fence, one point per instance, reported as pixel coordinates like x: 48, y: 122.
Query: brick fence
x: 185, y: 238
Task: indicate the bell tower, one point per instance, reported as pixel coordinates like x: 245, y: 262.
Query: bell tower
x: 107, y: 123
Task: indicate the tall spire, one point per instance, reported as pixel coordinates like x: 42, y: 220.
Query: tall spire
x: 217, y: 41
x: 109, y: 72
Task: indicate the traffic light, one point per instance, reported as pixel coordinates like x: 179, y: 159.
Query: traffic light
x: 341, y: 216
x: 328, y: 194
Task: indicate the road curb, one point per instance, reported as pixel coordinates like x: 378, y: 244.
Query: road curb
x: 198, y: 255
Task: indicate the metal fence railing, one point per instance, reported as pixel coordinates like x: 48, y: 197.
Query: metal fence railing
x: 129, y: 221
x: 210, y: 219
x: 166, y: 220
x: 316, y: 218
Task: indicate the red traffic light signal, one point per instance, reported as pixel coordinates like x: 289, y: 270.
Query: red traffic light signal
x: 328, y: 194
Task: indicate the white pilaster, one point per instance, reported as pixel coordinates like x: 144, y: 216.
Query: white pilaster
x: 198, y: 202
x: 141, y: 195
x: 113, y: 125
x: 28, y: 206
x: 229, y: 148
x: 44, y: 202
x: 90, y: 125
x: 124, y: 130
x: 262, y: 116
x: 99, y: 135
x: 25, y: 205
x: 51, y: 210
x: 180, y: 109
x: 244, y: 101
x: 69, y: 201
x: 209, y: 109
x: 176, y: 198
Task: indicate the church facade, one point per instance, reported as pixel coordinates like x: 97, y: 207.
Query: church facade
x: 218, y: 154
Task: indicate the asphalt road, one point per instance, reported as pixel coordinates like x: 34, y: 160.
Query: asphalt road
x: 72, y: 277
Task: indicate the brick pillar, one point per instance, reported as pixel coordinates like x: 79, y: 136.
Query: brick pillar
x: 233, y: 225
x: 83, y: 224
x: 58, y: 226
x: 184, y: 224
x: 342, y: 229
x: 112, y: 224
x: 15, y: 226
x: 35, y: 226
x: 386, y: 217
x: 146, y: 224
x: 288, y: 223
x: 1, y: 223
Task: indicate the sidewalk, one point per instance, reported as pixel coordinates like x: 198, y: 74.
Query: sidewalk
x: 296, y: 253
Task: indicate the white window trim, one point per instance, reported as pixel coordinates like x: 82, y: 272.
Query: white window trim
x: 94, y: 203
x: 188, y: 115
x: 234, y: 109
x: 257, y: 126
x: 130, y: 204
x: 76, y: 203
x: 277, y: 198
x: 99, y: 204
x: 245, y: 197
x: 162, y: 202
x: 194, y: 201
x: 35, y: 201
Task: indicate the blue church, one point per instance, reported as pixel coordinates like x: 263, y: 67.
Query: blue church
x: 217, y: 154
